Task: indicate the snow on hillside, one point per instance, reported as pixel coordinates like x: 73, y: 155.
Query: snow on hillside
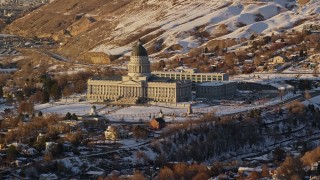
x: 170, y: 26
x: 176, y: 23
x: 281, y: 21
x: 179, y: 21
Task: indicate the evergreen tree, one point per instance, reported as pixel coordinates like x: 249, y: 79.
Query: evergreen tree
x: 74, y: 116
x: 45, y: 97
x: 206, y: 50
x: 55, y: 91
x: 67, y: 116
x: 1, y: 92
x: 252, y: 37
x: 301, y: 53
x: 40, y: 114
x: 19, y: 96
x: 47, y: 82
x: 12, y: 152
x: 162, y: 64
x: 251, y: 114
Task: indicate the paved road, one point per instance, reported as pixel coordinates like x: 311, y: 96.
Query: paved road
x: 60, y: 58
x: 55, y: 56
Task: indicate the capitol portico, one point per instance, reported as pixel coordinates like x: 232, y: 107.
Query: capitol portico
x: 139, y: 86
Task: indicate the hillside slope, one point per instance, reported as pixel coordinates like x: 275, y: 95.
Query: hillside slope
x: 172, y: 26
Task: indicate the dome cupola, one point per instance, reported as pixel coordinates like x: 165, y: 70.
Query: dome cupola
x: 139, y: 64
x: 139, y: 50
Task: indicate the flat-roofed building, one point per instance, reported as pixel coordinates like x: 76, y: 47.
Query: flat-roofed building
x: 216, y: 90
x: 193, y: 75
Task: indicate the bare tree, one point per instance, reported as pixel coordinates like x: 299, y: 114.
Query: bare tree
x: 166, y: 174
x: 138, y: 176
x: 291, y: 167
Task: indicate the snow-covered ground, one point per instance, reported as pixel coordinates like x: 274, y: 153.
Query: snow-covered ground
x: 272, y: 77
x: 315, y: 101
x: 63, y: 108
x: 135, y: 113
x: 138, y: 113
x: 298, y: 70
x: 3, y: 107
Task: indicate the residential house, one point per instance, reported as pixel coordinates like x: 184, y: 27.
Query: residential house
x: 51, y: 146
x: 74, y: 125
x: 93, y: 173
x: 245, y: 171
x: 93, y: 119
x: 312, y: 28
x: 2, y: 146
x: 157, y: 123
x: 248, y: 62
x: 50, y: 176
x: 115, y: 133
x: 41, y: 137
x: 279, y: 60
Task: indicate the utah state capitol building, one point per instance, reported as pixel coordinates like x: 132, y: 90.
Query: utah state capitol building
x: 139, y: 86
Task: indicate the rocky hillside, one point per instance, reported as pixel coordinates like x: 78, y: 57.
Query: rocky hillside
x: 169, y: 26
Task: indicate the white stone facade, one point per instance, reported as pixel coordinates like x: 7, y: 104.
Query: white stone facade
x: 139, y: 86
x: 195, y: 77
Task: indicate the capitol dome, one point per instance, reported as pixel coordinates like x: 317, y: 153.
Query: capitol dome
x: 139, y: 64
x: 139, y: 50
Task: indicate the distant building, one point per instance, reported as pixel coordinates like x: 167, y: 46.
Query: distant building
x: 312, y: 28
x: 51, y: 146
x: 248, y: 62
x: 115, y: 133
x: 143, y: 86
x: 2, y: 146
x: 93, y: 173
x: 245, y: 171
x: 279, y: 60
x: 192, y: 74
x: 41, y: 137
x: 161, y: 115
x: 49, y: 176
x: 216, y: 90
x: 97, y: 57
x: 93, y: 119
x: 139, y: 86
x: 73, y: 124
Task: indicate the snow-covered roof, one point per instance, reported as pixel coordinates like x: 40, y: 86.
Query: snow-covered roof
x: 31, y: 151
x: 98, y: 173
x: 48, y: 176
x: 215, y: 83
x: 257, y: 169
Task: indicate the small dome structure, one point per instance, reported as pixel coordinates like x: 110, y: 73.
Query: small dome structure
x: 93, y: 110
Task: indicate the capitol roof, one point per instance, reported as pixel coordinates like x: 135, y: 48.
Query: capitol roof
x: 107, y: 78
x: 139, y: 50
